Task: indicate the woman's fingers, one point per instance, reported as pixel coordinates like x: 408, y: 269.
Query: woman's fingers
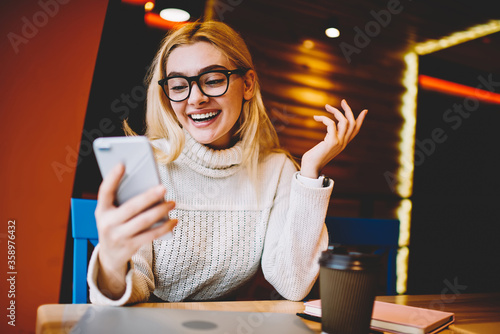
x: 350, y: 117
x: 154, y: 233
x: 348, y: 111
x: 146, y: 219
x: 342, y: 121
x: 331, y: 129
x: 340, y: 131
x: 139, y: 203
x: 348, y: 127
x: 330, y: 124
x: 108, y: 188
x: 124, y: 229
x: 359, y: 122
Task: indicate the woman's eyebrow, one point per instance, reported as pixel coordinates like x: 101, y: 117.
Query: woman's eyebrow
x: 211, y: 67
x: 204, y: 69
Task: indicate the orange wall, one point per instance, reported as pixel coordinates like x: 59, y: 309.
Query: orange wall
x: 45, y: 78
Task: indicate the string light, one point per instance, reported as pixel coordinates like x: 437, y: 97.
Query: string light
x: 403, y: 181
x: 458, y: 37
x: 404, y: 177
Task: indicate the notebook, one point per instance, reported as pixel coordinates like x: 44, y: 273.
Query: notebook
x: 397, y: 318
x: 409, y: 319
x: 143, y: 320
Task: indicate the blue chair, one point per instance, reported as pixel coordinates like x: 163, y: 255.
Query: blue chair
x: 382, y: 235
x: 84, y: 230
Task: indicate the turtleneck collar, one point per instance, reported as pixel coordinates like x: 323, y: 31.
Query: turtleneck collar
x: 210, y: 162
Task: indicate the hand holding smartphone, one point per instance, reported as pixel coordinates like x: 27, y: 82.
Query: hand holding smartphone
x: 141, y: 172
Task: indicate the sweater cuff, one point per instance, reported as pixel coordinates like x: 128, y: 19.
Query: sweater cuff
x: 96, y: 295
x: 312, y: 183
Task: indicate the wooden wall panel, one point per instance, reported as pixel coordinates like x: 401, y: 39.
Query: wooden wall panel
x: 298, y: 81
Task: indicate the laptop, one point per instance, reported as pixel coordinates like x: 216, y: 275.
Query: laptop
x: 147, y: 320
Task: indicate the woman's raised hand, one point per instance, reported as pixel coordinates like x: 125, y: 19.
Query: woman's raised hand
x: 124, y: 229
x: 340, y: 131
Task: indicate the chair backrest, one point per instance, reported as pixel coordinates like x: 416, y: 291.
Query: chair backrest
x: 84, y: 230
x: 380, y: 234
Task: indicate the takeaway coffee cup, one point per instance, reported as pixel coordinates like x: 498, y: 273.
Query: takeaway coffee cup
x: 347, y: 286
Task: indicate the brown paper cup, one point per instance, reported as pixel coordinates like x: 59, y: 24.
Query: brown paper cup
x: 347, y: 290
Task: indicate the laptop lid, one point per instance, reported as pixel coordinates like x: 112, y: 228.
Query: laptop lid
x: 145, y: 320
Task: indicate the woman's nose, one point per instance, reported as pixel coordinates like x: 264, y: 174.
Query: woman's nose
x: 196, y: 97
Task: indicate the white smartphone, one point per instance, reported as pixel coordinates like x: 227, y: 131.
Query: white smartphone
x: 136, y: 154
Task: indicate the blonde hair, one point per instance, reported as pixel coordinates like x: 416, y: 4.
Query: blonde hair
x: 255, y: 131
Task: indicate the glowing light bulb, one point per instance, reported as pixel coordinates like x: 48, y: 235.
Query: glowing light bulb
x: 174, y: 15
x: 332, y: 32
x: 148, y: 6
x: 308, y: 44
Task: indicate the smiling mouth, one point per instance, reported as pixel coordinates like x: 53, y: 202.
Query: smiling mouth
x: 204, y: 117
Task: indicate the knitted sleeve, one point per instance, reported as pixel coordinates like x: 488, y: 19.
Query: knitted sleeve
x: 296, y: 235
x: 139, y: 279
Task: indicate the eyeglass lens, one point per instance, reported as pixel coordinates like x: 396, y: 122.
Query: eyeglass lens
x: 211, y: 84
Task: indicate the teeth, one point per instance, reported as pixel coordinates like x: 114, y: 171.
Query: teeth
x: 203, y: 116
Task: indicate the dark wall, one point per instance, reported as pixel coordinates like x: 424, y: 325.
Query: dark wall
x: 455, y: 217
x: 118, y: 92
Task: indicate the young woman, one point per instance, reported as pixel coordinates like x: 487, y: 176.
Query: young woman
x: 235, y: 198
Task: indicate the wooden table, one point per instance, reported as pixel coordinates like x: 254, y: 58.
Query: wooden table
x: 470, y: 310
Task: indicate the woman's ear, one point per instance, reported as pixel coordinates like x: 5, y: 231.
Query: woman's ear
x: 249, y: 85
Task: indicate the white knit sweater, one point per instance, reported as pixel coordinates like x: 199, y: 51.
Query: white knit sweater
x: 225, y: 231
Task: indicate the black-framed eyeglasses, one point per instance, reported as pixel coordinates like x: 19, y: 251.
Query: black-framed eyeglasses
x: 211, y: 83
